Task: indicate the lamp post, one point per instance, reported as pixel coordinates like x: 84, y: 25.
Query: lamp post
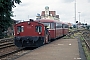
x: 75, y: 11
x: 28, y: 17
x: 75, y: 16
x: 79, y: 16
x: 84, y: 21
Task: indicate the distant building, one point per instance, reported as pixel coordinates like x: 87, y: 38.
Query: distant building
x: 70, y: 25
x: 38, y: 16
x: 48, y: 14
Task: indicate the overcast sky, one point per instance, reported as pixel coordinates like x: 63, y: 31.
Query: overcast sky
x: 64, y: 8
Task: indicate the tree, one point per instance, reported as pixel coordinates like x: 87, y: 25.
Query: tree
x: 6, y: 13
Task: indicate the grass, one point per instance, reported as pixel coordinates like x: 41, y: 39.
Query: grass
x: 79, y: 34
x: 69, y: 37
x: 72, y: 35
x: 87, y: 52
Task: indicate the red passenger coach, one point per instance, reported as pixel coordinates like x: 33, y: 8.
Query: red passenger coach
x: 55, y: 27
x: 65, y: 29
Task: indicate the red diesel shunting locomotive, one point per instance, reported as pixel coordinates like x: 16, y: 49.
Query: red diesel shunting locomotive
x: 34, y: 33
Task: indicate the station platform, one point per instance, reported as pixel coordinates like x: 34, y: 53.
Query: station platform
x: 61, y: 49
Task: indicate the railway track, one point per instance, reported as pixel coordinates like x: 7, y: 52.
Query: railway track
x: 10, y: 52
x: 15, y: 54
x: 6, y: 40
x: 5, y: 45
x: 87, y: 43
x: 86, y: 38
x: 6, y: 49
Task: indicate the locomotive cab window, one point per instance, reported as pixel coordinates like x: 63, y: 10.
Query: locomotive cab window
x: 38, y: 28
x: 20, y: 29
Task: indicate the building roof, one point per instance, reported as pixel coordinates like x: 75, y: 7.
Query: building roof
x: 48, y: 20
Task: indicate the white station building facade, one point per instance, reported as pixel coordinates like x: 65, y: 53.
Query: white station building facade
x: 47, y: 14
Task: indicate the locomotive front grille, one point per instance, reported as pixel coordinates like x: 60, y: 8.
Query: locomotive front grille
x: 27, y: 43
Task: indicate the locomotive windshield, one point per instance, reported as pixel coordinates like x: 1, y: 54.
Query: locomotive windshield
x: 20, y: 29
x: 38, y: 28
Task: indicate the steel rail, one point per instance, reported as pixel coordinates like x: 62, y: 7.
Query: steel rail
x: 7, y: 54
x: 6, y: 40
x: 87, y: 44
x: 6, y: 45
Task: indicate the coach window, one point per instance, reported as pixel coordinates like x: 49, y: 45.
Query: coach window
x: 47, y: 24
x: 38, y: 28
x: 63, y: 25
x: 66, y: 26
x: 52, y: 25
x: 20, y: 29
x: 58, y: 25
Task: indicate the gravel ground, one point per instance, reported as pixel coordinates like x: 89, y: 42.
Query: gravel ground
x: 7, y: 50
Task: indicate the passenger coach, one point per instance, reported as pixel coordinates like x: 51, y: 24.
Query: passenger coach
x: 55, y: 27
